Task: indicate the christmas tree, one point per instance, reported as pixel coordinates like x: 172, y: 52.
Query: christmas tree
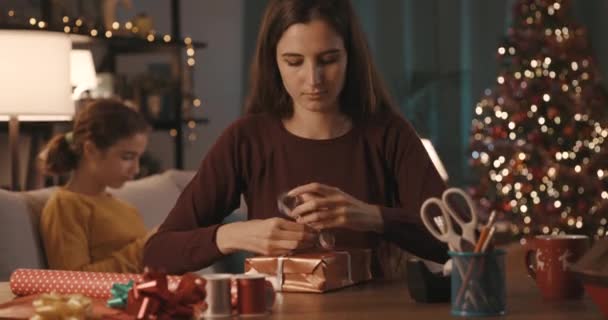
x: 538, y: 140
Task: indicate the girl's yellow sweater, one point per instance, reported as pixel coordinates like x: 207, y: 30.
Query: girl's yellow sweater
x: 92, y: 233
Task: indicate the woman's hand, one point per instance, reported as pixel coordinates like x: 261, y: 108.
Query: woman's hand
x: 333, y: 208
x: 275, y: 236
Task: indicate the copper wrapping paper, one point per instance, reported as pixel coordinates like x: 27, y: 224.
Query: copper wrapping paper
x: 95, y: 285
x: 316, y: 271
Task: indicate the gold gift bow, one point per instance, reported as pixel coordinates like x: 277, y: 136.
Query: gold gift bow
x: 56, y: 306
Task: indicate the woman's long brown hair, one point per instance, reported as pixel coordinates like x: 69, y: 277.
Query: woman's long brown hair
x: 363, y: 94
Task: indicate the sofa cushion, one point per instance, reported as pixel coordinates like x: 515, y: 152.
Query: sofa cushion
x: 153, y: 196
x: 35, y: 201
x: 181, y: 178
x: 19, y: 242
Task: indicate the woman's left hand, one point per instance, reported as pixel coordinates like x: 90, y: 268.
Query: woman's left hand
x: 333, y: 208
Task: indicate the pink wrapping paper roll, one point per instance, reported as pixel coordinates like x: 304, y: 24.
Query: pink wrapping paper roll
x: 95, y: 285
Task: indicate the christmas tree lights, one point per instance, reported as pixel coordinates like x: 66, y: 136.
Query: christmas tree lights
x: 538, y: 138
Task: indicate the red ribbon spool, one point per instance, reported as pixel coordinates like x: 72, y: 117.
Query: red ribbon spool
x: 251, y: 294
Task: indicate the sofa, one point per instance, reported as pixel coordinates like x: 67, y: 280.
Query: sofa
x: 153, y: 196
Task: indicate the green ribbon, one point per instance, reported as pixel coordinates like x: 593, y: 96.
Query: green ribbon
x: 120, y: 292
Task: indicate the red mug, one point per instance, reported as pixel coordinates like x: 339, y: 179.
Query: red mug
x: 554, y: 254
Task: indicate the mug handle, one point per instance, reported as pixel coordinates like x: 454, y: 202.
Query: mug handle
x: 530, y: 250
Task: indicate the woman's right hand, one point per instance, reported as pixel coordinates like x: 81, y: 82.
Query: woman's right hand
x: 274, y: 236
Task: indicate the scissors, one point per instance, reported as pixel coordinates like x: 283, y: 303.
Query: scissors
x: 448, y: 234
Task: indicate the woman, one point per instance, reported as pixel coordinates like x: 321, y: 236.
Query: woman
x: 319, y: 124
x: 82, y: 226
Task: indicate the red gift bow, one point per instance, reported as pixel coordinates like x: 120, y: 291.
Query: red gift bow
x: 152, y: 299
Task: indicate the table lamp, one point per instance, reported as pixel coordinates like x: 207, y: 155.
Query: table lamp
x: 82, y: 72
x: 34, y: 83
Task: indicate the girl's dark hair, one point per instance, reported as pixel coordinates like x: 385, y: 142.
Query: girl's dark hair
x: 103, y: 122
x: 363, y: 93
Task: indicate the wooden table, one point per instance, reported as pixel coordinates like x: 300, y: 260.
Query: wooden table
x: 5, y: 292
x: 390, y: 300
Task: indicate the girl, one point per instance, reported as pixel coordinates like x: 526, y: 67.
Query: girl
x: 82, y: 226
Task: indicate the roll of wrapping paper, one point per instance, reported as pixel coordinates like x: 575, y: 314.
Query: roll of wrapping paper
x: 95, y: 285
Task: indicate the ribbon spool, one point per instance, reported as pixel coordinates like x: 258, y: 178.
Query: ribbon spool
x: 218, y: 295
x: 251, y: 290
x: 269, y: 292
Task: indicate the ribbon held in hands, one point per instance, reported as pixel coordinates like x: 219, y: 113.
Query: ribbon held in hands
x: 287, y: 203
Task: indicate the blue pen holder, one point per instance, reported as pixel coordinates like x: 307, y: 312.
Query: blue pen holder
x: 478, y: 283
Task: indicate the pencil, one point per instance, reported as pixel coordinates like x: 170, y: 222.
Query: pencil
x: 488, y: 239
x: 469, y: 272
x: 484, y: 232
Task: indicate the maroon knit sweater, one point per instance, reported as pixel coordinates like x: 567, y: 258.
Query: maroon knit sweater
x: 380, y: 162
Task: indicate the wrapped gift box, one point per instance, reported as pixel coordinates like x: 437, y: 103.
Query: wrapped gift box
x: 314, y: 271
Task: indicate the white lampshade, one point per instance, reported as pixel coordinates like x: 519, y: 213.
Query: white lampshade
x: 435, y: 159
x: 35, y: 75
x: 82, y: 72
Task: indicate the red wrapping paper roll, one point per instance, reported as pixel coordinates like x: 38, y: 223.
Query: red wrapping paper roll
x: 95, y: 285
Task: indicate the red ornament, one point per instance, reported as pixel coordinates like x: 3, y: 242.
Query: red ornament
x: 582, y: 207
x: 536, y: 100
x: 518, y: 117
x: 498, y: 132
x: 568, y: 194
x: 552, y: 112
x: 534, y: 137
x: 538, y: 208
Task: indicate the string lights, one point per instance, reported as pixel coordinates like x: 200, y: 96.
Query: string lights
x: 127, y: 30
x: 539, y: 136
